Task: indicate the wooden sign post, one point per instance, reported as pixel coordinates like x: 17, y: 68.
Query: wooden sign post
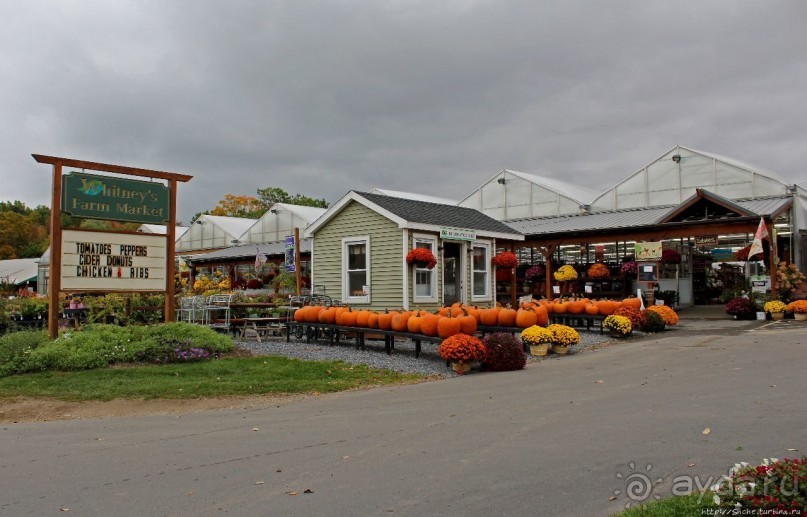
x: 125, y: 264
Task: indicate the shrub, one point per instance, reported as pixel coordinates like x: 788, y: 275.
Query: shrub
x: 667, y: 314
x: 651, y: 321
x: 740, y: 307
x: 564, y: 335
x: 503, y: 353
x: 632, y: 314
x: 97, y: 346
x: 254, y: 284
x: 15, y: 348
x: 461, y: 347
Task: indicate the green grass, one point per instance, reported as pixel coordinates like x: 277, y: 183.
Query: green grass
x: 677, y: 506
x: 215, y: 378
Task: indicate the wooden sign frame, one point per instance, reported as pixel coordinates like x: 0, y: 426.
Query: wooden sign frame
x: 56, y: 227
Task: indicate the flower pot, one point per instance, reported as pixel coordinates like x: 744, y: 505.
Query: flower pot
x: 800, y: 316
x: 561, y: 349
x: 777, y: 315
x: 461, y: 367
x: 617, y: 334
x: 541, y: 349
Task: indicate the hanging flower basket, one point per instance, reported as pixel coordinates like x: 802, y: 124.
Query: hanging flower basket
x: 505, y: 259
x: 630, y: 268
x: 421, y: 257
x: 670, y: 257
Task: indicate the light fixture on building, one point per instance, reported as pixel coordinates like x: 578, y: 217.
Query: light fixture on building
x: 676, y: 158
x: 273, y: 210
x: 501, y: 181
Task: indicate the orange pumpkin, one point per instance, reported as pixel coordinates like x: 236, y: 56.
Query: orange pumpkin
x: 592, y: 309
x: 372, y: 320
x: 448, y: 326
x: 428, y: 323
x: 489, y: 317
x: 445, y: 311
x: 541, y: 315
x: 385, y: 320
x: 347, y: 318
x: 413, y: 324
x: 327, y: 315
x: 467, y: 323
x: 399, y: 322
x: 632, y: 302
x: 312, y: 314
x: 576, y: 307
x: 526, y: 318
x: 607, y: 307
x: 560, y: 307
x: 362, y: 317
x: 507, y: 317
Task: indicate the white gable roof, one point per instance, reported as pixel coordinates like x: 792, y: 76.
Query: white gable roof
x: 308, y: 213
x: 414, y: 196
x: 579, y: 193
x: 162, y: 229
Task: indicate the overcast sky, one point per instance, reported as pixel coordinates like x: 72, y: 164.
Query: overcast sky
x: 433, y: 97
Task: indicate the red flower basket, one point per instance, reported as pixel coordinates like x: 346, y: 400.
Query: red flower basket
x: 421, y: 257
x: 505, y: 259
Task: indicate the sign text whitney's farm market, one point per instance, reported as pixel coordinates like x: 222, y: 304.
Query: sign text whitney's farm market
x: 117, y: 199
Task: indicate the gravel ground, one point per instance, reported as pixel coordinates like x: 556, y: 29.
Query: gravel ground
x: 401, y: 360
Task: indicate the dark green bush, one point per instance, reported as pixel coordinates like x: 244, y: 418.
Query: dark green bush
x: 97, y: 346
x: 503, y: 353
x: 15, y: 349
x: 651, y: 322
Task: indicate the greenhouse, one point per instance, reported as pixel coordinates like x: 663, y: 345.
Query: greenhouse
x: 697, y: 211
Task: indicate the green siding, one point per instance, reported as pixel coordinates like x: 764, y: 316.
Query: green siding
x: 386, y: 255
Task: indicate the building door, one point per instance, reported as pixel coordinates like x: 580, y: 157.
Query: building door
x: 453, y: 272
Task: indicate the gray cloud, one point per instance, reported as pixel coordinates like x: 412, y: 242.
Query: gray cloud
x: 323, y: 97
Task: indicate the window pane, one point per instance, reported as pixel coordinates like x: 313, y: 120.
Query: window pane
x: 480, y: 284
x: 423, y: 282
x: 357, y: 258
x: 356, y: 279
x: 480, y: 259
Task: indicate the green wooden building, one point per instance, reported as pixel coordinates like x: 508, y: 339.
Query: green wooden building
x: 360, y: 246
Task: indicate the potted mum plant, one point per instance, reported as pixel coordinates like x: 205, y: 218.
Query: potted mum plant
x: 741, y: 308
x: 538, y: 339
x: 617, y: 326
x: 461, y: 350
x: 563, y: 337
x: 799, y: 309
x: 776, y: 309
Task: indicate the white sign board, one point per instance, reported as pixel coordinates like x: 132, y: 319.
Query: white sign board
x: 457, y: 234
x: 101, y: 261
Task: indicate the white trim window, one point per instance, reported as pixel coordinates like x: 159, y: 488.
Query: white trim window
x: 480, y: 271
x: 424, y: 281
x: 356, y: 269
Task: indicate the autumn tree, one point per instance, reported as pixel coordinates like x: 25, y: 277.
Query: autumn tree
x: 239, y: 206
x: 21, y: 236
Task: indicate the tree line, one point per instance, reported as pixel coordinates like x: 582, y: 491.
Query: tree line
x: 25, y: 231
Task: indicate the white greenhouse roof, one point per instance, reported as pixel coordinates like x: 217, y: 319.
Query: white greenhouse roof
x: 414, y: 196
x: 308, y: 213
x: 737, y: 163
x: 582, y: 195
x: 162, y: 229
x: 235, y: 226
x: 19, y: 271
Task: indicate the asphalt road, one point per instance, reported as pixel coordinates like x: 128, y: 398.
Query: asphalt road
x: 562, y: 437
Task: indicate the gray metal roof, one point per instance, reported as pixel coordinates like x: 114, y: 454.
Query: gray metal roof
x: 624, y: 219
x: 249, y: 251
x: 437, y: 214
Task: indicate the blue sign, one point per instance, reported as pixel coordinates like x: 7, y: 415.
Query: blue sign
x: 290, y: 254
x: 722, y: 255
